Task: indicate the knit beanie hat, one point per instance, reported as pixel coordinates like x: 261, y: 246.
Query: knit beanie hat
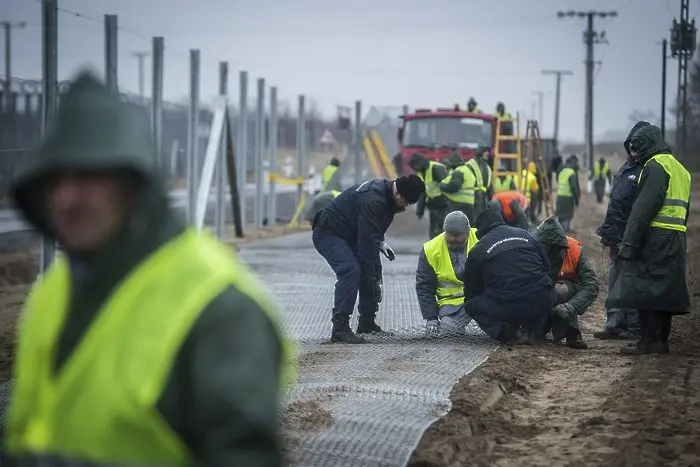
x: 456, y: 222
x: 410, y: 188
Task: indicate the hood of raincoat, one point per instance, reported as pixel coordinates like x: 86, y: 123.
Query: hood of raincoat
x: 93, y: 130
x: 637, y: 126
x: 648, y: 141
x: 550, y: 232
x: 420, y: 161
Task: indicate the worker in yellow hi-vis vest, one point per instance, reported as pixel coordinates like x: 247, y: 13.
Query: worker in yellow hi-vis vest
x: 568, y: 192
x: 330, y: 177
x: 439, y: 285
x: 600, y: 175
x: 145, y: 342
x: 653, y: 248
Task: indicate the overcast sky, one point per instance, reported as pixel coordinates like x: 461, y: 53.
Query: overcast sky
x: 383, y: 52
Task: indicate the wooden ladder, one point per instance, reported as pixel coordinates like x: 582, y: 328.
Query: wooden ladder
x: 534, y: 152
x: 500, y: 152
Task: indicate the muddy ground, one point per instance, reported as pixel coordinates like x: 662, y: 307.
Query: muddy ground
x: 19, y: 269
x: 551, y: 405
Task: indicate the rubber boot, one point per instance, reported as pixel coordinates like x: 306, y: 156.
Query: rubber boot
x: 645, y: 347
x: 342, y: 332
x: 574, y: 340
x: 367, y: 325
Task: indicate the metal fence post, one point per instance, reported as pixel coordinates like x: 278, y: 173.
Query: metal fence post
x: 111, y: 52
x: 50, y: 98
x: 242, y: 133
x: 301, y: 146
x: 272, y: 160
x: 357, y: 142
x: 193, y: 136
x: 157, y: 100
x: 220, y: 216
x: 259, y: 143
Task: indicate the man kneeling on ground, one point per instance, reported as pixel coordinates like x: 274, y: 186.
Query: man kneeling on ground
x: 506, y: 281
x: 576, y: 282
x: 439, y: 285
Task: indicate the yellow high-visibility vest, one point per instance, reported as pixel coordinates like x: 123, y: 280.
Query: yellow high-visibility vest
x: 327, y: 176
x: 465, y: 195
x: 499, y: 186
x: 563, y: 186
x: 529, y: 180
x: 450, y: 290
x: 335, y: 193
x: 101, y: 405
x: 481, y: 184
x: 600, y: 172
x: 432, y: 187
x: 672, y: 214
x: 504, y: 115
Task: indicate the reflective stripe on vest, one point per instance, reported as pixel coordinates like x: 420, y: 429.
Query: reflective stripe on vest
x: 101, y: 405
x: 335, y: 193
x: 479, y: 176
x: 501, y: 184
x: 569, y: 270
x: 673, y: 213
x: 327, y: 176
x: 505, y: 198
x: 600, y: 172
x: 465, y: 195
x: 432, y: 188
x: 450, y: 290
x: 563, y: 185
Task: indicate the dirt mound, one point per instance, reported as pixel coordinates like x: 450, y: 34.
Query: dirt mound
x: 551, y: 405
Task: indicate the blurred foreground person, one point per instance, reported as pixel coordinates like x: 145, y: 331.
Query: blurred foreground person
x: 318, y: 202
x: 145, y: 343
x: 575, y: 281
x: 506, y: 281
x: 620, y: 323
x: 513, y: 206
x: 653, y: 248
x: 439, y: 274
x: 349, y: 234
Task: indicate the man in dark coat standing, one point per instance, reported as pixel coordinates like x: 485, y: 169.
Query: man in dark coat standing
x: 653, y: 246
x: 620, y: 323
x: 349, y: 234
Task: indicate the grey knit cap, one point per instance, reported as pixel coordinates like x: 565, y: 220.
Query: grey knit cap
x: 456, y: 222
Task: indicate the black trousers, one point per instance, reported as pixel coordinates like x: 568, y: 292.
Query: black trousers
x: 656, y: 325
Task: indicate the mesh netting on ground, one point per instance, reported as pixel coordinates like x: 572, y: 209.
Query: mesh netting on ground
x: 378, y: 398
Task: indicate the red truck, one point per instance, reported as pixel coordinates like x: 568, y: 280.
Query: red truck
x: 438, y: 133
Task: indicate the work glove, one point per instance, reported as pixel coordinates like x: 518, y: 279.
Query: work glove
x: 432, y: 327
x: 565, y: 311
x: 378, y: 291
x: 387, y: 251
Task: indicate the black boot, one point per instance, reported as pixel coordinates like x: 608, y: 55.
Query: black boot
x: 342, y: 332
x: 644, y: 347
x: 367, y: 325
x: 575, y: 340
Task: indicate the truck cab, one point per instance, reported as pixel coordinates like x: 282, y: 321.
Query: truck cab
x: 436, y: 134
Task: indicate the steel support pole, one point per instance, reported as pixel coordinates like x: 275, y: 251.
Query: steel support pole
x: 220, y: 216
x: 193, y: 136
x: 8, y: 64
x: 664, y: 52
x: 50, y: 95
x: 259, y: 144
x: 301, y: 145
x: 111, y: 51
x: 242, y: 156
x: 272, y: 160
x: 357, y: 141
x: 557, y: 103
x: 157, y: 99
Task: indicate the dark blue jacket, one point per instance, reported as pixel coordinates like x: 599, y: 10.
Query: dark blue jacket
x: 507, y: 263
x: 361, y: 216
x: 622, y: 196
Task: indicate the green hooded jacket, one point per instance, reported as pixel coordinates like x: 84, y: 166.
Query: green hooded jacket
x: 222, y: 394
x: 554, y: 240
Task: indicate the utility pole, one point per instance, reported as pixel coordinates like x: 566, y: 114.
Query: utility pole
x: 141, y: 57
x: 557, y: 96
x: 540, y: 106
x: 683, y: 40
x: 8, y: 27
x: 591, y: 37
x: 664, y: 55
